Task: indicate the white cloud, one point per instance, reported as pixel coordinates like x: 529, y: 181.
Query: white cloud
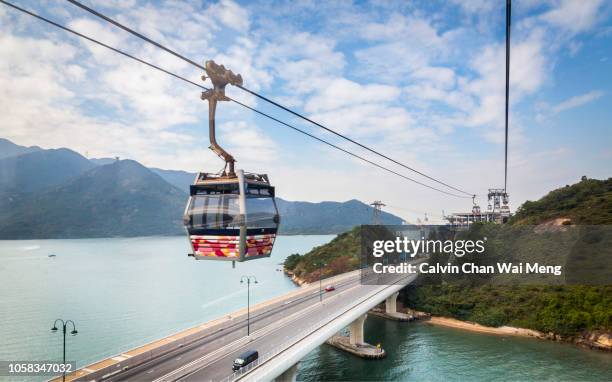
x: 405, y: 82
x: 231, y: 15
x: 546, y: 111
x: 380, y: 121
x: 108, y: 105
x: 577, y: 101
x: 247, y: 143
x: 406, y: 44
x: 475, y: 6
x: 301, y: 59
x: 114, y: 3
x: 439, y: 77
x: 339, y: 92
x: 574, y: 16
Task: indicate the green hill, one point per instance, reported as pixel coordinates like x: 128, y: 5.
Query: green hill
x: 339, y: 256
x: 567, y: 310
x: 588, y: 202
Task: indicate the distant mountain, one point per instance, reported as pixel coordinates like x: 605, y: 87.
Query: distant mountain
x: 9, y: 149
x: 40, y: 170
x: 179, y: 179
x: 61, y: 194
x: 119, y: 199
x: 102, y: 161
x: 327, y: 217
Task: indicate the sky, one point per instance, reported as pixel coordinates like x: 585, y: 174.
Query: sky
x: 421, y: 81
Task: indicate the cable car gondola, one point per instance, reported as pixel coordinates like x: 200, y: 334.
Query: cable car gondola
x: 231, y: 215
x: 475, y: 207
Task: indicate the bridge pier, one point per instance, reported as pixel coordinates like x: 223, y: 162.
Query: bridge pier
x: 356, y: 331
x: 288, y: 375
x: 390, y: 311
x: 391, y: 303
x: 355, y: 343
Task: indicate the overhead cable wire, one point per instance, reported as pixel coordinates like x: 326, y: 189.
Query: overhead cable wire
x: 508, y: 19
x: 264, y: 98
x: 350, y: 139
x: 100, y: 43
x: 231, y: 99
x: 137, y: 34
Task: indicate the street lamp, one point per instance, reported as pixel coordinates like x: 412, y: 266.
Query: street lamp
x: 73, y: 332
x: 248, y: 280
x: 321, y: 265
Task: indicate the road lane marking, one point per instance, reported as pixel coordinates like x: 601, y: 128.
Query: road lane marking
x: 254, y: 336
x: 363, y: 299
x: 285, y: 322
x: 273, y: 306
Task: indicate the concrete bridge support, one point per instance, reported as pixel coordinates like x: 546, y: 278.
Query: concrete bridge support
x: 288, y: 375
x: 355, y: 343
x: 391, y: 303
x: 356, y: 335
x: 390, y: 311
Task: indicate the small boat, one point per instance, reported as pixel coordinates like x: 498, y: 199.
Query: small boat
x: 51, y: 255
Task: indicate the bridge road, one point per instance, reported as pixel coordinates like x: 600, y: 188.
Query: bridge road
x: 220, y: 368
x: 216, y: 344
x: 286, y: 330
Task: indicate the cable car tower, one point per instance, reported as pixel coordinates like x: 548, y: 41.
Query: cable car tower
x: 231, y: 215
x: 376, y: 211
x: 498, y: 203
x: 499, y: 198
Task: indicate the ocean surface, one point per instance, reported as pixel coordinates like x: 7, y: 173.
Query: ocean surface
x: 126, y: 292
x: 422, y: 352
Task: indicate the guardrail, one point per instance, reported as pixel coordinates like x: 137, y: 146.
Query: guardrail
x: 286, y: 344
x: 271, y: 354
x: 176, y: 343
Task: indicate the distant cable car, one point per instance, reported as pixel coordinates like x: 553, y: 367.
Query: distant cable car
x: 475, y: 207
x: 505, y: 209
x: 231, y: 215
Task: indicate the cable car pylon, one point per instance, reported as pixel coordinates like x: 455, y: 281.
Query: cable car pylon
x: 231, y: 215
x: 495, y: 194
x: 377, y: 206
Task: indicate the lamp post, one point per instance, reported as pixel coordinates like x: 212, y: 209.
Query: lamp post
x: 321, y: 265
x: 73, y: 332
x: 248, y: 280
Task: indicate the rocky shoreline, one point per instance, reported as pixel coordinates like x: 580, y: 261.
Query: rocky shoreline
x: 296, y: 280
x: 599, y: 340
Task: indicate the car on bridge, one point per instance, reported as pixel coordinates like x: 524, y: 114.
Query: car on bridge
x: 330, y: 288
x: 244, y: 359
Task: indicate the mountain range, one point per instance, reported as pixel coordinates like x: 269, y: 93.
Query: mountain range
x: 58, y: 193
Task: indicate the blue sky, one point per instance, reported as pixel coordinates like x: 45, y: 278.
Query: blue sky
x: 423, y: 81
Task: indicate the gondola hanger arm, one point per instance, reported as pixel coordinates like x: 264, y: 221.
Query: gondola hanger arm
x: 220, y: 77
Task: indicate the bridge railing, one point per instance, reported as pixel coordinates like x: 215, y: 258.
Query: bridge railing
x: 283, y: 346
x: 273, y: 353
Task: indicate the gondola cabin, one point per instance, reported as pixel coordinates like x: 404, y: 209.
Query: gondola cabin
x: 231, y: 217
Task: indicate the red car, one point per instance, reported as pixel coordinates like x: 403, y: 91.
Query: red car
x: 330, y: 288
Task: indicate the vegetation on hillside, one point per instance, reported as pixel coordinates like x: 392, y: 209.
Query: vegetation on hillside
x: 339, y: 256
x: 588, y: 202
x: 566, y: 310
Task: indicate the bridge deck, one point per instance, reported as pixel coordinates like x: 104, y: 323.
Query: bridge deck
x: 234, y: 322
